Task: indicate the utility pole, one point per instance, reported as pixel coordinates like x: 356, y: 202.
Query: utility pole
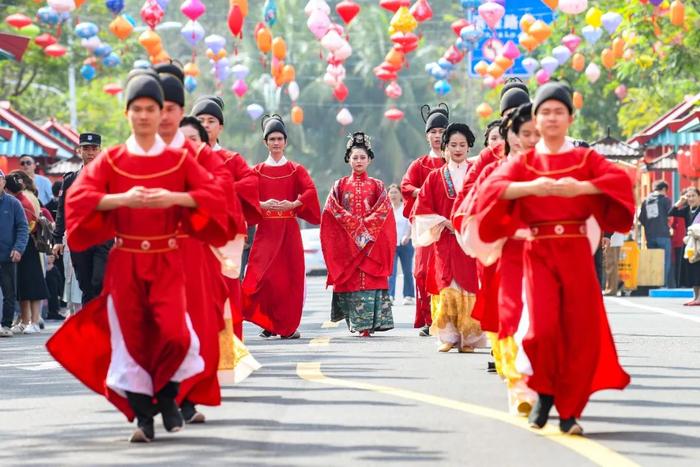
x: 72, y: 105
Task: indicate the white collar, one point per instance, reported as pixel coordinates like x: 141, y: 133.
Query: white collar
x: 461, y: 167
x: 178, y: 140
x: 458, y: 172
x: 133, y: 147
x: 542, y: 148
x: 433, y: 154
x: 216, y: 147
x: 270, y: 161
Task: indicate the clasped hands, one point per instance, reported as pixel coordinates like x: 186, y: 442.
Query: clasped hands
x: 154, y: 198
x: 567, y: 187
x: 276, y: 205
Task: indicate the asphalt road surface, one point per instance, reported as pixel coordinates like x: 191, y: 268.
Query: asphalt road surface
x: 331, y: 398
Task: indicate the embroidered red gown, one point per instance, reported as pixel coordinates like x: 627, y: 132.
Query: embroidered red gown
x: 569, y: 342
x: 273, y: 287
x: 136, y: 336
x: 413, y: 180
x: 358, y: 239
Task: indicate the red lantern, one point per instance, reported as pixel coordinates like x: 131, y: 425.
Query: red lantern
x: 112, y: 89
x: 235, y: 21
x: 45, y: 40
x: 393, y: 90
x: 151, y: 13
x: 695, y: 156
x: 394, y: 5
x: 55, y: 50
x: 385, y: 74
x: 454, y: 55
x: 341, y: 92
x: 347, y: 9
x: 458, y: 25
x: 422, y: 11
x: 394, y: 115
x: 403, y: 40
x: 18, y: 20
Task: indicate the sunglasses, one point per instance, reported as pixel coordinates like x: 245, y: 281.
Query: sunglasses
x: 23, y: 163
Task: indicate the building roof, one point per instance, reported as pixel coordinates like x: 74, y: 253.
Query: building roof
x: 29, y: 138
x: 63, y: 132
x: 613, y: 148
x: 666, y: 162
x: 677, y: 113
x: 63, y: 167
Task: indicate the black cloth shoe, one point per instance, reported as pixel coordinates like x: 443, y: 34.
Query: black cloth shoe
x: 143, y: 407
x: 266, y: 334
x: 540, y: 413
x: 294, y: 335
x: 424, y: 331
x: 172, y: 419
x: 570, y: 426
x: 491, y: 367
x: 55, y: 317
x: 190, y: 414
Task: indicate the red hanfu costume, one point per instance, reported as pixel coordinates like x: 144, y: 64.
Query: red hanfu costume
x: 273, y: 287
x: 358, y: 238
x: 569, y: 342
x: 453, y: 273
x: 245, y: 183
x: 413, y: 180
x: 137, y: 336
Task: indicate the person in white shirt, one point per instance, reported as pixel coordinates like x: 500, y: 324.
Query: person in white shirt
x: 404, y: 249
x: 43, y: 185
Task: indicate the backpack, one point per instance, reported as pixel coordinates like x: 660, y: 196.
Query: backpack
x: 43, y: 234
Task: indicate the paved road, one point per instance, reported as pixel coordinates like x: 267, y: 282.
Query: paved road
x: 334, y: 399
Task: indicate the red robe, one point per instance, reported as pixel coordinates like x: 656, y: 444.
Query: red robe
x: 207, y: 289
x: 449, y: 260
x: 273, y: 288
x: 413, y: 180
x: 245, y: 183
x: 358, y: 235
x: 140, y: 317
x: 569, y: 342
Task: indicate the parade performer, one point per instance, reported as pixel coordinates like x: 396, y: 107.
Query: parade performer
x: 358, y: 239
x: 206, y: 288
x: 209, y: 110
x: 555, y: 189
x: 273, y: 287
x: 452, y: 271
x: 436, y: 121
x: 135, y: 342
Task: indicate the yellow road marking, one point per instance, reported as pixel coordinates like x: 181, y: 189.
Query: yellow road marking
x: 320, y: 341
x: 595, y: 452
x: 330, y: 324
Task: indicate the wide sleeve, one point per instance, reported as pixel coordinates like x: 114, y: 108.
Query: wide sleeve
x: 426, y: 225
x: 310, y: 209
x: 246, y: 183
x: 85, y: 225
x: 614, y: 210
x: 408, y: 187
x: 207, y: 222
x: 21, y: 227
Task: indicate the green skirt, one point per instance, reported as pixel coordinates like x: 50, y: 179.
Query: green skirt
x: 366, y: 310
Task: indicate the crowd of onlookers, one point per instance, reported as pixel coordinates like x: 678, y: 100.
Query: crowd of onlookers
x: 32, y: 280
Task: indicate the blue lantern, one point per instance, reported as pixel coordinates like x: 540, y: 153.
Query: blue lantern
x: 142, y: 64
x: 103, y: 50
x: 86, y: 30
x: 111, y: 60
x: 115, y: 6
x: 442, y: 87
x: 270, y: 12
x: 87, y: 72
x: 47, y: 15
x: 190, y: 83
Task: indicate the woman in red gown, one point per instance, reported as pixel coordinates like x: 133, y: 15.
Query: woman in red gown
x: 452, y: 273
x: 358, y: 238
x: 555, y: 189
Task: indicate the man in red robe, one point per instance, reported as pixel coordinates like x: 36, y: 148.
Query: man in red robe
x: 135, y: 342
x: 436, y: 121
x: 556, y: 189
x: 273, y: 287
x: 209, y: 110
x: 207, y: 290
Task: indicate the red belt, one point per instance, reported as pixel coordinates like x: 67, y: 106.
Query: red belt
x: 267, y: 214
x: 143, y: 244
x: 562, y: 229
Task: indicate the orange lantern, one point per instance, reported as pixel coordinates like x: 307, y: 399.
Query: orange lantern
x: 495, y: 70
x: 150, y: 40
x: 297, y: 115
x: 527, y: 41
x: 242, y: 4
x: 526, y: 21
x: 279, y: 48
x: 540, y: 31
x: 264, y: 40
x: 395, y: 57
x: 191, y: 69
x: 484, y: 110
x: 578, y: 62
x: 608, y: 58
x: 677, y: 13
x: 481, y: 68
x: 288, y: 73
x: 120, y: 27
x: 552, y: 4
x: 618, y: 47
x: 578, y: 100
x: 504, y: 62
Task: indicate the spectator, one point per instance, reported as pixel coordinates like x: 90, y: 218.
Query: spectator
x: 31, y: 285
x: 688, y: 207
x: 52, y: 205
x: 54, y: 283
x: 404, y: 249
x: 13, y: 241
x: 611, y: 254
x: 653, y: 216
x: 43, y: 185
x: 678, y: 245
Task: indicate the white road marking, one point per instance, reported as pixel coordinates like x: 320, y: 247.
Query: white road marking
x: 675, y: 314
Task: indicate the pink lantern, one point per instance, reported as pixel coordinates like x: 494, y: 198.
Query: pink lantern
x: 344, y: 117
x: 318, y: 23
x: 239, y: 88
x: 193, y: 9
x: 491, y: 12
x: 573, y: 7
x: 571, y: 42
x: 394, y: 115
x: 332, y: 41
x: 621, y: 91
x: 393, y: 90
x: 542, y: 77
x: 152, y: 13
x: 510, y: 50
